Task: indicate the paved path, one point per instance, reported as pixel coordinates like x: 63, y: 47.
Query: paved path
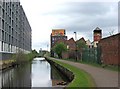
x: 102, y: 77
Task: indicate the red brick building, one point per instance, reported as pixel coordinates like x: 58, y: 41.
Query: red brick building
x: 57, y: 34
x: 82, y: 40
x: 110, y: 50
x: 71, y: 46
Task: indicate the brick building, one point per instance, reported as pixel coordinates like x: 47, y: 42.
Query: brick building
x: 71, y: 46
x: 110, y: 49
x: 57, y: 34
x: 97, y: 35
x: 81, y: 40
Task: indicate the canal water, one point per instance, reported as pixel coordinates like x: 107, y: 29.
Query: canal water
x: 39, y: 73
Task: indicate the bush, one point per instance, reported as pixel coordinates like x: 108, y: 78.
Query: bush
x: 20, y: 57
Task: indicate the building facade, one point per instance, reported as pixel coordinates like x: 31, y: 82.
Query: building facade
x: 110, y: 50
x: 25, y: 32
x: 15, y: 30
x: 56, y: 35
x: 89, y: 44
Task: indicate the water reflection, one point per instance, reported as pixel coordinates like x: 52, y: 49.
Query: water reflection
x: 39, y: 73
x: 17, y: 77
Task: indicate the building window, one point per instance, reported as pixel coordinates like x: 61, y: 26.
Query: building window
x: 53, y: 39
x: 3, y: 13
x: 3, y: 24
x: 12, y: 14
x: 9, y: 39
x: 12, y: 32
x: 2, y: 46
x: 5, y: 37
x: 2, y: 35
x: 0, y: 10
x: 0, y: 23
x: 67, y: 46
x: 12, y: 23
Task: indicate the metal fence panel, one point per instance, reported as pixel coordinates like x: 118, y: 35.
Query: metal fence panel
x: 91, y: 55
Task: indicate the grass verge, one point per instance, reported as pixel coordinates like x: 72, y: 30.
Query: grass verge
x: 81, y: 78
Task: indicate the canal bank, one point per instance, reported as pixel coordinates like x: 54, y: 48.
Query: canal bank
x: 79, y: 78
x: 17, y: 59
x: 6, y: 64
x: 67, y: 73
x: 102, y: 77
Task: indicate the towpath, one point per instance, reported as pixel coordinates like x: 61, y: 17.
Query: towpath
x: 101, y: 76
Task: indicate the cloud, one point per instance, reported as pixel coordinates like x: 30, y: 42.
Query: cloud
x: 72, y: 15
x: 85, y: 17
x: 84, y: 8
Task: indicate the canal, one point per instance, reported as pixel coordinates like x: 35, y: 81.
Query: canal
x: 38, y: 73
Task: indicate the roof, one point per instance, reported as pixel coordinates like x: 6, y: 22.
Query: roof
x: 81, y: 39
x: 97, y: 29
x: 118, y: 34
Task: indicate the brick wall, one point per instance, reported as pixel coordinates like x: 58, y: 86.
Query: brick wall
x: 110, y: 50
x: 71, y: 43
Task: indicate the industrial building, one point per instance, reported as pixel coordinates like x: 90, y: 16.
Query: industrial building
x: 15, y: 30
x: 56, y: 35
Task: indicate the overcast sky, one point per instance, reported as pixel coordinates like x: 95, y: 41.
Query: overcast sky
x: 72, y: 15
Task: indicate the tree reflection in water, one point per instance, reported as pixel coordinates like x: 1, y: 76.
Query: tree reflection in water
x: 39, y: 73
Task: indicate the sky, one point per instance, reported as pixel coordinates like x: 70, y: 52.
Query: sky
x: 81, y: 16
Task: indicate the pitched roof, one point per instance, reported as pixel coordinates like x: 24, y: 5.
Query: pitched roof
x: 81, y: 39
x: 70, y: 40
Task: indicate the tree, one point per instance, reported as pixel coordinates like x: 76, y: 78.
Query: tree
x: 34, y: 51
x: 81, y: 45
x: 59, y: 48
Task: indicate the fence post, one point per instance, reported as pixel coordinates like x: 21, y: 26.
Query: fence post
x: 99, y: 55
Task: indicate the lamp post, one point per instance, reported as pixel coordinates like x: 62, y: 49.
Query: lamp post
x: 76, y: 44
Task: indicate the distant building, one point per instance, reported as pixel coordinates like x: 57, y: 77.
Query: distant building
x: 42, y: 52
x: 58, y: 32
x: 97, y: 36
x: 81, y: 40
x: 88, y: 43
x: 71, y: 46
x: 56, y: 35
